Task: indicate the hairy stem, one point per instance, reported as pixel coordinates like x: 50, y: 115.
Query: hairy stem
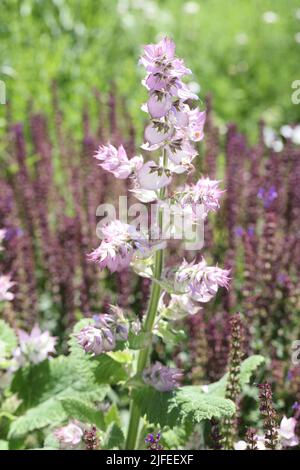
x: 148, y: 325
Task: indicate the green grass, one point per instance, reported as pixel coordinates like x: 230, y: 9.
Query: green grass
x: 86, y: 44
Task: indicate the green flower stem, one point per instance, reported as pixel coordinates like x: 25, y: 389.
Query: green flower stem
x: 148, y: 325
x: 143, y: 357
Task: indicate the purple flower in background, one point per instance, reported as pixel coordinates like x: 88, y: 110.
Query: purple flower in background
x: 289, y: 375
x: 239, y: 231
x: 267, y: 196
x: 5, y: 285
x: 13, y: 232
x: 282, y: 278
x: 153, y: 441
x: 250, y: 231
x: 162, y: 378
x: 34, y: 347
x: 70, y: 436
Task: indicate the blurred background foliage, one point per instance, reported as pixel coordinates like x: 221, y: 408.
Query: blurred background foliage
x: 246, y: 53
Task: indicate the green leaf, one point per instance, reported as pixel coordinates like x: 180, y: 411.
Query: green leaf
x: 42, y: 388
x: 80, y: 410
x: 197, y: 406
x: 175, y: 438
x: 185, y: 403
x: 51, y: 442
x: 139, y: 341
x: 167, y: 286
x: 122, y: 357
x: 8, y: 340
x: 169, y: 334
x: 3, y: 445
x: 107, y: 370
x: 155, y: 405
x: 114, y: 437
x: 50, y: 412
x: 36, y: 383
x: 112, y: 416
x: 248, y: 368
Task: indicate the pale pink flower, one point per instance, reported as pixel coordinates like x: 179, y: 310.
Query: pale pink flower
x: 159, y: 104
x: 116, y: 161
x: 179, y: 306
x: 180, y: 151
x: 196, y: 124
x: 120, y: 243
x: 260, y: 443
x: 200, y: 281
x: 156, y: 82
x: 189, y: 121
x: 96, y: 340
x: 115, y: 321
x: 154, y: 53
x: 5, y: 285
x: 179, y: 115
x: 101, y: 335
x: 205, y: 192
x: 240, y: 445
x: 163, y: 80
x: 185, y: 93
x: 34, y: 347
x: 70, y: 436
x: 162, y: 378
x: 286, y: 432
x: 152, y: 177
x: 157, y: 133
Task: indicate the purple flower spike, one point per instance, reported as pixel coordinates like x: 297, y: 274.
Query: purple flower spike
x: 267, y: 196
x: 153, y: 441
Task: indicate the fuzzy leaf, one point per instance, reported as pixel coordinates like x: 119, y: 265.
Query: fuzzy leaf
x: 80, y: 410
x: 112, y: 416
x: 139, y: 341
x: 3, y: 445
x: 51, y: 442
x: 155, y: 405
x: 186, y: 403
x: 50, y: 412
x: 248, y: 368
x: 8, y: 340
x: 114, y: 437
x: 122, y: 357
x: 196, y: 406
x: 107, y: 370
